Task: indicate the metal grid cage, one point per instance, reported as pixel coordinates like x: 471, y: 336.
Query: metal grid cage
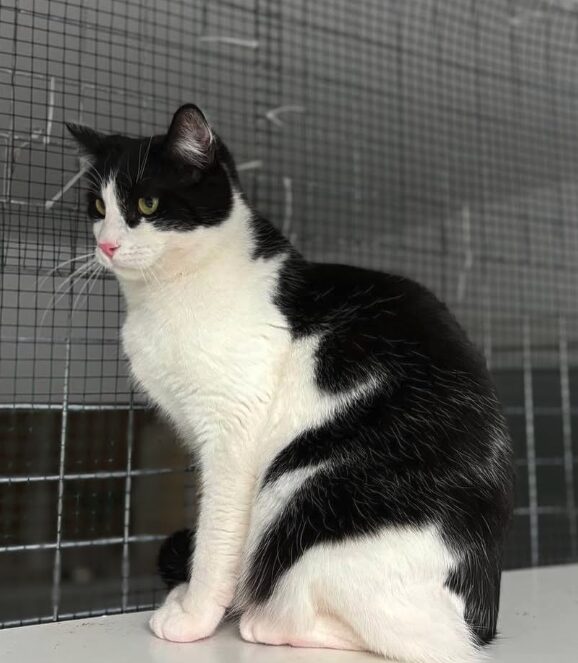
x: 435, y: 138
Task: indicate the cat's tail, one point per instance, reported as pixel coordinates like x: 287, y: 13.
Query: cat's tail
x: 173, y: 561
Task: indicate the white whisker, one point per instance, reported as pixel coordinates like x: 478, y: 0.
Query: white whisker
x: 100, y: 271
x: 63, y: 264
x: 128, y: 171
x: 139, y: 163
x: 71, y: 278
x: 96, y: 180
x: 144, y: 165
x: 77, y: 272
x: 92, y: 276
x: 69, y: 282
x: 94, y: 176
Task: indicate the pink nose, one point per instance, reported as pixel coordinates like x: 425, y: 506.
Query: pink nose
x: 108, y: 248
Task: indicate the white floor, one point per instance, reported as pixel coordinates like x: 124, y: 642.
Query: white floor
x: 539, y: 622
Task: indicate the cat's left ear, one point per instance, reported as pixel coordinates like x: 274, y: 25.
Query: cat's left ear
x: 91, y: 143
x: 190, y: 138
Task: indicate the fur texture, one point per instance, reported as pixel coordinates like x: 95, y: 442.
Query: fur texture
x: 356, y: 468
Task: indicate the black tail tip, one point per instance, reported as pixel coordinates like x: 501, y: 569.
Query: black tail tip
x: 173, y: 561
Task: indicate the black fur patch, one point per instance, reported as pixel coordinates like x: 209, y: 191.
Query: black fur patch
x: 428, y: 445
x: 190, y: 195
x: 269, y: 242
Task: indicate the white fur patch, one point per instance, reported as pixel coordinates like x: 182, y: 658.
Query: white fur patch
x: 205, y: 341
x: 388, y: 588
x: 112, y: 228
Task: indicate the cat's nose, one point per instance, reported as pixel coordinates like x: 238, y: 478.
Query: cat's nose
x: 108, y: 248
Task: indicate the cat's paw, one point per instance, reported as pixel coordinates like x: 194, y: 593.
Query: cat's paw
x: 181, y: 620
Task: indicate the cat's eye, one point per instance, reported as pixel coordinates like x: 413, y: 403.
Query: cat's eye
x: 148, y: 206
x: 100, y: 206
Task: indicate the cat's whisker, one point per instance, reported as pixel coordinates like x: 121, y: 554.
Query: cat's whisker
x: 139, y: 162
x: 95, y: 281
x: 93, y: 276
x: 62, y: 264
x: 96, y: 180
x: 128, y: 175
x: 144, y: 165
x: 77, y: 272
x: 92, y: 170
x: 93, y: 180
x: 69, y: 283
x: 60, y: 294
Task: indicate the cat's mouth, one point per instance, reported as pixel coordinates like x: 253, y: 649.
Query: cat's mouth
x: 128, y: 264
x: 108, y: 248
x: 103, y: 259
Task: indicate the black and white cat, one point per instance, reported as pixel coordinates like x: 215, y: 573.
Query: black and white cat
x: 355, y: 465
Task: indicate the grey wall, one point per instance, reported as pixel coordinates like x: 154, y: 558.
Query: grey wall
x: 433, y: 138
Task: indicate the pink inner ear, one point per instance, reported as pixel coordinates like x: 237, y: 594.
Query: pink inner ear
x: 190, y: 135
x: 196, y: 127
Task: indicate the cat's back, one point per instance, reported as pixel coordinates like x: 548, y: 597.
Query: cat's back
x: 367, y: 317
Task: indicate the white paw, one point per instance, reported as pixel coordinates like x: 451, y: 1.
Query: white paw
x: 246, y: 627
x: 180, y: 620
x: 256, y: 628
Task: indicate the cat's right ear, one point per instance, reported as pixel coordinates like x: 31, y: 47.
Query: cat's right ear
x: 91, y: 143
x: 190, y: 138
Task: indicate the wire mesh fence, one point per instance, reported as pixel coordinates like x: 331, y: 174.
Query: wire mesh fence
x: 435, y: 138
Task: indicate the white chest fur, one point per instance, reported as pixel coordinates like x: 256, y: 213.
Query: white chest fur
x: 214, y: 352
x: 208, y: 352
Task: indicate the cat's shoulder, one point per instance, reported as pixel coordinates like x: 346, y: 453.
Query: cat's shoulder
x: 327, y: 287
x: 350, y: 278
x: 362, y: 311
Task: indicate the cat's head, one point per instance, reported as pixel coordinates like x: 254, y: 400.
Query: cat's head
x: 155, y: 200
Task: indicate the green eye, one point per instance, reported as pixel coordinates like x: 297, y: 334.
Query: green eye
x: 148, y: 206
x: 100, y: 207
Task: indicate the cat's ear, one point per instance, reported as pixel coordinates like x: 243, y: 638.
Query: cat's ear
x: 91, y: 143
x: 190, y: 138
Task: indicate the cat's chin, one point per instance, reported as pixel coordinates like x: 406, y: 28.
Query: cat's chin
x: 129, y: 273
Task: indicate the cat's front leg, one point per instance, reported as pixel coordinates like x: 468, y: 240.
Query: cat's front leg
x: 193, y: 611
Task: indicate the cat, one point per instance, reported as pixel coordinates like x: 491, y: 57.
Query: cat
x: 355, y: 466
